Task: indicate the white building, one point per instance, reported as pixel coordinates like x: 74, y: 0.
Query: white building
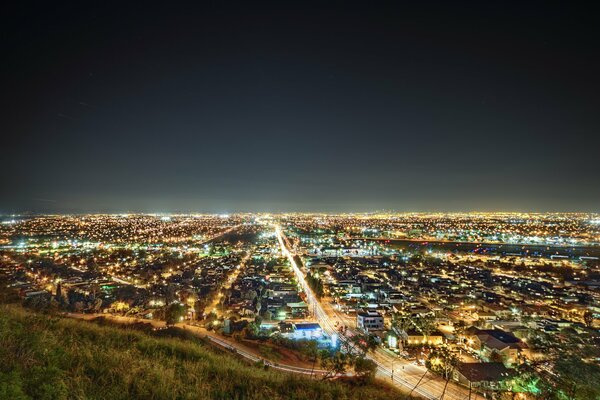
x: 369, y: 321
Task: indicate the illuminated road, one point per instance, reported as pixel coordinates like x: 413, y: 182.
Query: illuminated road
x: 408, y: 376
x: 311, y: 300
x: 212, y: 307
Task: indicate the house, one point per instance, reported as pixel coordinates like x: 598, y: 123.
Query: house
x: 486, y: 316
x: 415, y: 337
x: 298, y: 310
x: 281, y: 290
x: 486, y: 376
x: 492, y: 343
x: 369, y: 321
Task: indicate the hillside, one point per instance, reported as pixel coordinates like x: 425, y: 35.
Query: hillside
x: 44, y: 357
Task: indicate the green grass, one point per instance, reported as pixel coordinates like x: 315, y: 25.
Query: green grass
x: 43, y: 357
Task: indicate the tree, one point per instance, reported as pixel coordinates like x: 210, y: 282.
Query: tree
x: 94, y: 290
x: 334, y: 362
x: 252, y: 330
x: 365, y: 369
x: 588, y: 318
x: 316, y: 284
x: 170, y: 294
x: 425, y: 324
x: 210, y: 317
x: 78, y: 306
x: 459, y: 328
x: 199, y: 307
x: 58, y: 291
x: 362, y: 343
x: 119, y: 307
x: 442, y: 361
x: 38, y: 303
x: 96, y: 306
x: 125, y: 292
x: 174, y: 313
x: 578, y: 379
x: 525, y: 382
x: 136, y: 310
x: 402, y: 321
x: 311, y: 351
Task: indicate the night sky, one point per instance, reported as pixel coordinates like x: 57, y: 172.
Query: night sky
x: 299, y: 106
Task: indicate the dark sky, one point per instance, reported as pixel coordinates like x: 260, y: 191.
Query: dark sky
x: 299, y: 106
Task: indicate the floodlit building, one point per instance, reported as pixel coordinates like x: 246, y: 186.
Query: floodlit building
x: 415, y: 337
x: 369, y: 321
x: 307, y: 331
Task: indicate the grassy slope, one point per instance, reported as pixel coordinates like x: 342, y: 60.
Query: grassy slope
x: 53, y: 358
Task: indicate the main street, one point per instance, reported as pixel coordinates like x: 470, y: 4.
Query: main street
x: 402, y: 373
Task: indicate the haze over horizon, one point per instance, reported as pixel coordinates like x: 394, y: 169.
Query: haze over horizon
x: 271, y: 107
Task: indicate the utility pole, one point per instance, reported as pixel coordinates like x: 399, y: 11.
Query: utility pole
x: 426, y: 371
x: 446, y: 385
x: 444, y: 391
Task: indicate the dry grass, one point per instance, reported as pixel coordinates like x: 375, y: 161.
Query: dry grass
x: 44, y: 357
